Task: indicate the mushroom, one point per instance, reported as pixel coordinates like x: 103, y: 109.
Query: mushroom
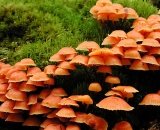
x: 55, y: 127
x: 151, y: 99
x: 48, y: 101
x: 47, y: 121
x: 112, y: 80
x: 66, y: 112
x: 72, y: 126
x: 16, y: 95
x: 21, y: 105
x: 32, y: 121
x: 96, y: 122
x: 37, y: 109
x: 114, y: 103
x: 139, y: 65
x: 15, y: 117
x: 88, y: 46
x: 95, y: 87
x: 122, y: 125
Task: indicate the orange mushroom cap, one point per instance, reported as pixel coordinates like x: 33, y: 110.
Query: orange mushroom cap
x: 61, y: 71
x: 47, y: 121
x: 31, y: 71
x: 48, y: 101
x: 112, y: 60
x: 120, y: 34
x: 55, y: 127
x: 135, y: 35
x: 127, y: 43
x: 27, y: 61
x: 104, y: 3
x: 88, y: 46
x: 151, y: 99
x: 40, y: 76
x: 104, y: 69
x: 112, y: 80
x: 57, y: 58
x: 139, y: 65
x: 68, y: 102
x: 37, y: 109
x: 44, y: 93
x: 16, y: 94
x: 22, y: 105
x: 80, y: 117
x: 66, y: 50
x: 66, y: 112
x: 132, y: 54
x: 114, y: 103
x: 102, y: 52
x: 122, y: 125
x: 27, y: 87
x: 66, y: 65
x: 95, y: 61
x: 18, y: 76
x: 80, y: 59
x: 58, y: 92
x: 50, y: 69
x: 96, y: 122
x: 150, y: 59
x: 3, y: 88
x: 7, y: 106
x: 110, y: 40
x: 72, y: 127
x: 32, y: 99
x: 95, y: 87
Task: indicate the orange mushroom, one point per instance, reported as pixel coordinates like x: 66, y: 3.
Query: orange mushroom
x: 48, y: 101
x: 96, y: 122
x: 112, y: 80
x: 95, y: 87
x: 38, y: 109
x: 122, y: 125
x: 88, y: 46
x: 66, y: 112
x: 151, y: 99
x: 114, y: 103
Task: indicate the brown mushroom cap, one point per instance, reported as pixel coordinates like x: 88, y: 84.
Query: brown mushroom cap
x: 15, y: 117
x: 32, y: 121
x: 114, y: 103
x: 73, y: 127
x: 122, y: 125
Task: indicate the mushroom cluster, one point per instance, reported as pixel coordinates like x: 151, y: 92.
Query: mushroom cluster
x: 110, y: 15
x: 28, y: 92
